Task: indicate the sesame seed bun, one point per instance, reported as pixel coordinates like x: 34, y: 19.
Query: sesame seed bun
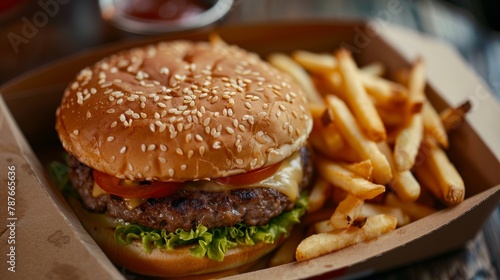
x: 180, y: 111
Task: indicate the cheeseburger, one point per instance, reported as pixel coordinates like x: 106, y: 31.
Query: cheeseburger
x: 187, y: 157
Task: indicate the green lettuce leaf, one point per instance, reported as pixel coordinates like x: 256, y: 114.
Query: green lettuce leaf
x: 212, y: 243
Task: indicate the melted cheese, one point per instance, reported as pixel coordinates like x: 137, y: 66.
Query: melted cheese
x: 97, y: 191
x: 131, y: 203
x: 286, y: 180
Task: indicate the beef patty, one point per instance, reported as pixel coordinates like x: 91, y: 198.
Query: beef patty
x: 186, y: 209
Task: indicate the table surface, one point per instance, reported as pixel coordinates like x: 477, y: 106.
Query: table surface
x: 77, y: 25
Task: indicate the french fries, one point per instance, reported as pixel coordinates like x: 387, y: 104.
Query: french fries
x: 348, y: 181
x: 407, y: 143
x: 379, y: 143
x: 433, y: 124
x: 366, y: 148
x: 318, y: 195
x: 288, y: 65
x: 403, y: 182
x: 416, y: 86
x: 372, y: 209
x: 449, y: 180
x: 357, y: 98
x: 346, y: 212
x: 324, y: 243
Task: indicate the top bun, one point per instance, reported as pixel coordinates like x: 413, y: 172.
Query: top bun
x: 182, y: 110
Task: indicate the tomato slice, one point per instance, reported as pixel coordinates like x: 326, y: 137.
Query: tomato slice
x: 249, y: 177
x: 154, y: 189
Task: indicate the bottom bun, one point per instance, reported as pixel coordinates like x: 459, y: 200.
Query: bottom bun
x: 163, y: 262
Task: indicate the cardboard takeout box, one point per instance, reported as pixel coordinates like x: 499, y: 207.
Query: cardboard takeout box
x: 51, y: 243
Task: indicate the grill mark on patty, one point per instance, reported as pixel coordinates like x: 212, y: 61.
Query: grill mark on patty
x: 187, y: 209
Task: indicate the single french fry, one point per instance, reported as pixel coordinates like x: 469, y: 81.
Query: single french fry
x: 416, y: 86
x: 373, y: 69
x: 403, y: 182
x: 414, y: 210
x: 363, y: 168
x: 367, y: 149
x: 320, y: 192
x: 428, y: 180
x: 372, y: 209
x: 315, y: 62
x: 346, y: 212
x: 321, y: 63
x: 433, y: 124
x: 451, y: 183
x: 286, y: 252
x: 452, y: 118
x: 384, y: 92
x: 288, y: 65
x: 340, y: 177
x: 323, y: 243
x: 407, y: 143
x: 358, y: 99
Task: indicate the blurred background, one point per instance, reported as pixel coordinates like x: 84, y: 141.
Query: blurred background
x: 33, y: 33
x: 62, y: 27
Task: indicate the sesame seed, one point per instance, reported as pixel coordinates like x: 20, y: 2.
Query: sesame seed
x: 183, y: 167
x: 216, y: 145
x: 239, y: 161
x: 143, y: 147
x: 163, y: 147
x: 198, y: 137
x: 162, y: 105
x: 190, y: 153
x: 110, y: 138
x: 179, y: 151
x: 76, y: 132
x: 152, y: 127
x: 202, y: 150
x: 162, y: 159
x: 123, y: 150
x: 229, y: 130
x: 206, y: 122
x: 147, y: 168
x: 110, y: 111
x: 151, y: 147
x: 164, y: 71
x: 180, y: 127
x: 248, y: 105
x: 189, y: 137
x: 113, y: 158
x: 113, y: 124
x: 171, y: 172
x: 242, y: 127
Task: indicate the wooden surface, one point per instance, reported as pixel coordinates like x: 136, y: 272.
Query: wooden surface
x: 78, y: 26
